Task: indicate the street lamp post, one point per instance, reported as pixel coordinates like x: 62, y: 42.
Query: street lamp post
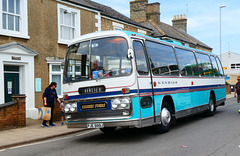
x: 221, y: 6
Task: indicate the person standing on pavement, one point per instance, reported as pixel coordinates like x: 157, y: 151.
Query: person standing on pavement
x: 50, y: 94
x: 237, y: 91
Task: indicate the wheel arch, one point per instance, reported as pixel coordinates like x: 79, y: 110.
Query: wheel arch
x: 212, y: 94
x: 169, y: 100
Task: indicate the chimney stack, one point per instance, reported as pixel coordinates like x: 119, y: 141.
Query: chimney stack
x: 141, y: 11
x: 138, y: 10
x: 180, y: 22
x: 153, y: 12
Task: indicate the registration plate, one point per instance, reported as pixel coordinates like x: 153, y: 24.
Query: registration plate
x: 95, y: 125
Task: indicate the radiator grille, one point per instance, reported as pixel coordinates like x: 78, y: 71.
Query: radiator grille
x: 97, y: 114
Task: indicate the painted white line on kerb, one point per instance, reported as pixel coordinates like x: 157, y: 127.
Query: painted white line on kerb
x: 37, y: 143
x: 87, y: 132
x: 48, y: 141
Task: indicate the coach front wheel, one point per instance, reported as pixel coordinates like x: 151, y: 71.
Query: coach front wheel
x: 166, y: 119
x: 212, y: 107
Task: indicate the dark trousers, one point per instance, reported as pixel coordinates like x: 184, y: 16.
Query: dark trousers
x: 50, y: 121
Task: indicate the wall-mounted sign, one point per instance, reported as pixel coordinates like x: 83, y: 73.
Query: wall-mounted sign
x: 16, y: 58
x: 38, y: 84
x: 227, y: 77
x: 9, y: 86
x: 224, y: 68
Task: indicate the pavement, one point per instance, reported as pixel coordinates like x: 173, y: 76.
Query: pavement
x: 34, y: 132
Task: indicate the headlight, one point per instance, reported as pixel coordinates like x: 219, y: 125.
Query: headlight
x: 66, y: 108
x: 120, y: 103
x: 72, y: 107
x: 124, y: 105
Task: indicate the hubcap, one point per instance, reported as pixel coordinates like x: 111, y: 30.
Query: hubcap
x: 165, y: 116
x: 211, y: 106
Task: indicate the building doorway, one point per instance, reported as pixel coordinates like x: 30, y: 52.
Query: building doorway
x: 11, y: 81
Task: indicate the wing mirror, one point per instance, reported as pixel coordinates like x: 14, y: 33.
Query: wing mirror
x: 130, y: 54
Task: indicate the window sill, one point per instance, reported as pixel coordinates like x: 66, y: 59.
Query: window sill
x: 17, y: 35
x: 66, y: 42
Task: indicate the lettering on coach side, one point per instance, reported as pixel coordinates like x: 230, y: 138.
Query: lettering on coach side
x: 167, y: 82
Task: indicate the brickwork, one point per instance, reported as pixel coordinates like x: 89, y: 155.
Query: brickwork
x: 228, y: 89
x: 202, y: 48
x: 138, y: 10
x: 13, y: 114
x: 153, y: 12
x: 107, y: 24
x: 180, y: 22
x: 56, y: 112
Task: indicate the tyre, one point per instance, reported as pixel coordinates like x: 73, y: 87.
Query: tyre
x: 108, y: 130
x: 166, y: 119
x: 212, y: 108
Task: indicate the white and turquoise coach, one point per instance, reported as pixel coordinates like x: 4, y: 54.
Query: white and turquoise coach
x: 125, y: 79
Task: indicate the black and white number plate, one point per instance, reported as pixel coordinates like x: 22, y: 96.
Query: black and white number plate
x: 95, y: 125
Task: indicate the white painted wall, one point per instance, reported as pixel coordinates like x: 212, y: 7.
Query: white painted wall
x: 229, y: 58
x: 26, y: 75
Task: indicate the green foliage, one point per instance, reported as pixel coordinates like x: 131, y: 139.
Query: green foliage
x: 226, y: 83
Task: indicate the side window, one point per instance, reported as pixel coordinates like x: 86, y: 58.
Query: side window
x: 219, y: 67
x: 187, y: 62
x: 215, y: 67
x: 204, y: 65
x: 162, y: 59
x: 140, y: 58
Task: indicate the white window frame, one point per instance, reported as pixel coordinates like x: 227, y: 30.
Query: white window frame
x: 142, y: 32
x: 117, y: 26
x: 51, y: 73
x: 77, y: 29
x: 23, y: 22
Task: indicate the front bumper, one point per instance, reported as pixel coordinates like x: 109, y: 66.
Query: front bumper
x: 117, y: 123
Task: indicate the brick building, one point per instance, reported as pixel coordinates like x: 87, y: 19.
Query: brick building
x: 149, y: 14
x: 34, y: 35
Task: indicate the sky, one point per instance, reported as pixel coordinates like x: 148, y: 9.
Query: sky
x: 203, y: 19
